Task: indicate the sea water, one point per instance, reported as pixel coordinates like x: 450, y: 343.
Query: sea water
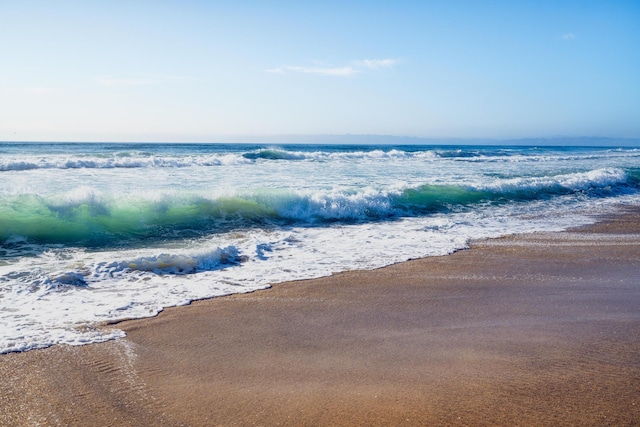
x: 94, y: 233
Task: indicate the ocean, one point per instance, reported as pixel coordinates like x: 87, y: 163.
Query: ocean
x: 92, y: 233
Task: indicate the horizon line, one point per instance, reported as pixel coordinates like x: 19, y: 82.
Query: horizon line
x: 362, y: 139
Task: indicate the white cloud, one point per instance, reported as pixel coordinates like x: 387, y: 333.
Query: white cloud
x: 356, y: 67
x: 376, y: 63
x: 568, y: 36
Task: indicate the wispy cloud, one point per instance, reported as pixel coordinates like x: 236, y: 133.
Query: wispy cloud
x: 355, y: 67
x: 568, y: 36
x: 373, y: 64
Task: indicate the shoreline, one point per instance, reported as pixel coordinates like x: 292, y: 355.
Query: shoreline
x: 532, y: 329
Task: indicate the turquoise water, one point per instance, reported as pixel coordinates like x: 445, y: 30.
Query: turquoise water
x: 96, y: 232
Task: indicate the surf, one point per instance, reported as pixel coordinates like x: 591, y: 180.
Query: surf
x: 93, y: 233
x: 92, y: 218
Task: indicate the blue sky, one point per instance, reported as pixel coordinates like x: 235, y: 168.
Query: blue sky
x: 207, y: 71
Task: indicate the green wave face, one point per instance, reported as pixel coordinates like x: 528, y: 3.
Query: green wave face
x: 273, y: 154
x: 442, y: 198
x: 95, y: 221
x: 436, y: 198
x: 633, y: 177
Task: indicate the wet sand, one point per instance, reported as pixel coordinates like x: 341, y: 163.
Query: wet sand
x: 540, y: 329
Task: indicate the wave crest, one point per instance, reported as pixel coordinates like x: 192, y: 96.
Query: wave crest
x: 92, y: 218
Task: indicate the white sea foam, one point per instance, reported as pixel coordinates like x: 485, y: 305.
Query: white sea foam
x: 574, y: 181
x: 89, y: 287
x: 183, y: 225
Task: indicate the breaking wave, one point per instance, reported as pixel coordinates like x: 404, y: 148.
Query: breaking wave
x: 90, y: 218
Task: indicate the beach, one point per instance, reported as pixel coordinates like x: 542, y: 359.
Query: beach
x: 528, y: 329
x: 366, y: 214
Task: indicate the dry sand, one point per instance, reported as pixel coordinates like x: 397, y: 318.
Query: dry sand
x: 540, y: 329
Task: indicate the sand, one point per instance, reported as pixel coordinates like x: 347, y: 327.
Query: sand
x: 540, y: 329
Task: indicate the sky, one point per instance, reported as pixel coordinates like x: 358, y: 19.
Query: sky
x: 214, y: 71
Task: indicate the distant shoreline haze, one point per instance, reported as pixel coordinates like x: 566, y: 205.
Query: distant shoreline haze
x: 358, y: 139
